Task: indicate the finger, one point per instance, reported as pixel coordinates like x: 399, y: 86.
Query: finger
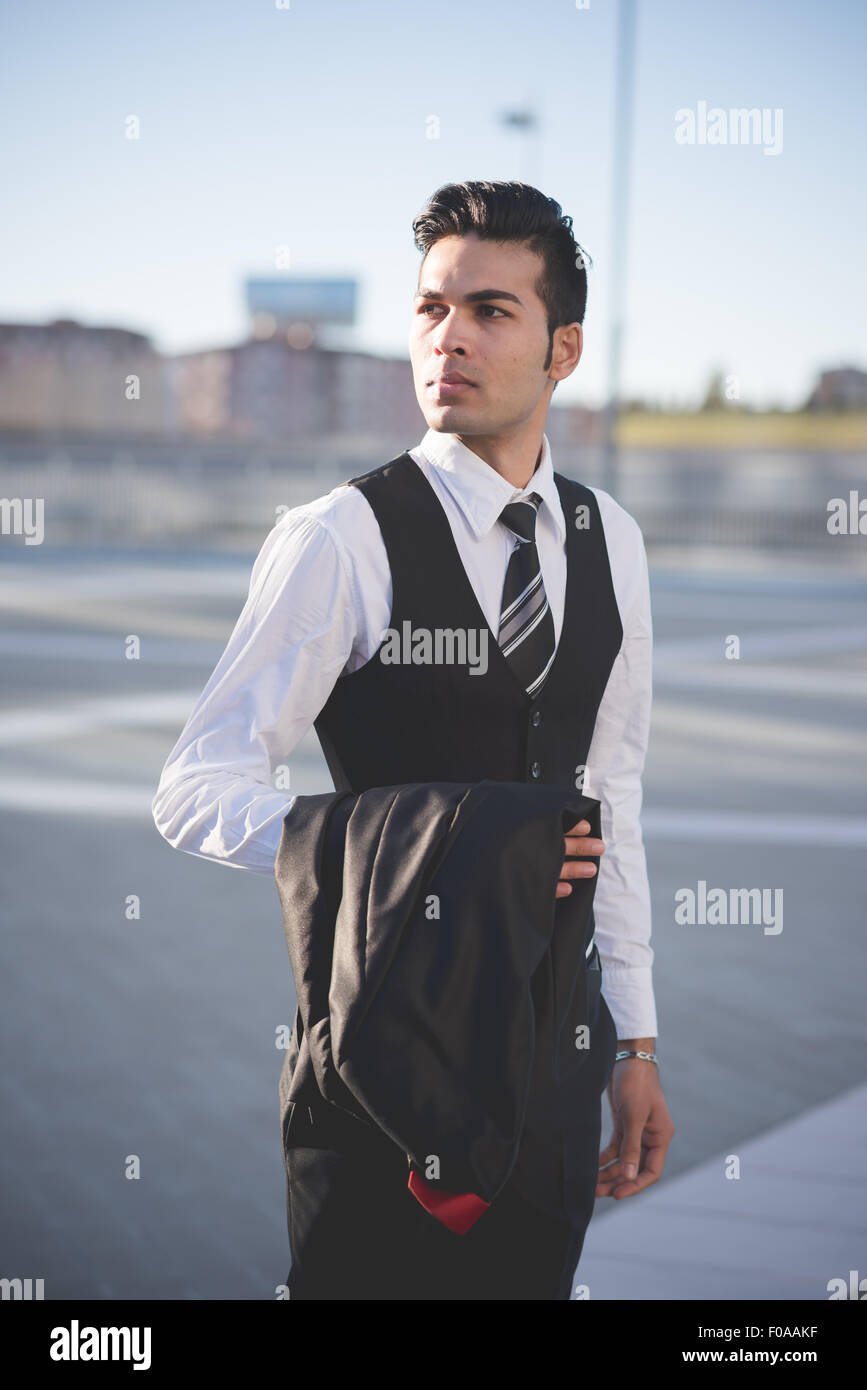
x: 629, y: 1189
x: 564, y: 888
x: 577, y: 868
x: 618, y: 1187
x: 584, y: 844
x: 630, y: 1149
x: 650, y: 1171
x: 610, y: 1152
x: 606, y: 1189
x: 653, y: 1162
x: 581, y: 827
x: 612, y: 1148
x: 612, y: 1167
x: 610, y: 1179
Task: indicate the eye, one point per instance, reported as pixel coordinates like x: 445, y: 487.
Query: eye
x: 496, y: 309
x: 423, y: 309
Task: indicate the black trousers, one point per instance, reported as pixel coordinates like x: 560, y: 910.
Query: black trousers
x: 357, y: 1232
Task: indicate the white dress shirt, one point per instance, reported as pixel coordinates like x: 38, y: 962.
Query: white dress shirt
x: 318, y: 606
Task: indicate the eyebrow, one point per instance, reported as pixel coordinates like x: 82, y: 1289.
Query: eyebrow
x: 474, y: 298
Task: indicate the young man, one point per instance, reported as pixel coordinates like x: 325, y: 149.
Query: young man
x: 471, y: 527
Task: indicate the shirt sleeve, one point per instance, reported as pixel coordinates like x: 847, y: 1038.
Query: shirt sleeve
x: 215, y: 797
x: 615, y: 764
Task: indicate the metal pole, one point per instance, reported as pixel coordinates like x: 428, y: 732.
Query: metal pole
x: 620, y: 178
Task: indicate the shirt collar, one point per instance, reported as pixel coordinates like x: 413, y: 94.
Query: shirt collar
x: 480, y: 491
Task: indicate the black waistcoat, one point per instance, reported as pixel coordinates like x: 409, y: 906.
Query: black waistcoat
x: 393, y: 722
x: 386, y: 723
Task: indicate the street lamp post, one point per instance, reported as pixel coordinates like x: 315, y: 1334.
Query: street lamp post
x: 620, y: 176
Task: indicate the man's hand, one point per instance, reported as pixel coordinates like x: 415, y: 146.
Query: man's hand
x: 577, y: 841
x: 635, y: 1153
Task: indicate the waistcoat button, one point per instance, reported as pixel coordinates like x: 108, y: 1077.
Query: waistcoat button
x: 536, y: 768
x: 536, y: 718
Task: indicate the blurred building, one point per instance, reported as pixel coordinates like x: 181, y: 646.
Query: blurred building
x: 271, y: 392
x: 844, y: 388
x: 279, y: 386
x: 66, y: 376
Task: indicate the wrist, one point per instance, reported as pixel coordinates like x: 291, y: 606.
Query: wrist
x: 636, y: 1051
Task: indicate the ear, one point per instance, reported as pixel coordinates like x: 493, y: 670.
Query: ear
x: 568, y: 347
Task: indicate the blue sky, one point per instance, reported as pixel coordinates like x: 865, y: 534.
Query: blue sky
x: 306, y: 127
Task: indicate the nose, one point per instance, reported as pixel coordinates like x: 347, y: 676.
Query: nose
x: 449, y: 337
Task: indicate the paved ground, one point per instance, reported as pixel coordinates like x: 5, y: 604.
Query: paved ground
x: 155, y: 1037
x: 778, y: 1217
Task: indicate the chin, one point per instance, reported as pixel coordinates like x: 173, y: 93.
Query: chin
x: 451, y: 419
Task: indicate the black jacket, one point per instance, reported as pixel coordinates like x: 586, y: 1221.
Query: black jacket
x: 439, y: 979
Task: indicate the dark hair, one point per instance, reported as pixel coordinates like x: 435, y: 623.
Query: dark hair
x: 515, y: 212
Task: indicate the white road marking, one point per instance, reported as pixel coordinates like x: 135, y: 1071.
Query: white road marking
x: 794, y: 641
x: 81, y: 646
x: 755, y: 826
x: 76, y: 798
x: 85, y: 798
x: 728, y: 731
x: 830, y: 683
x: 22, y: 585
x: 84, y: 716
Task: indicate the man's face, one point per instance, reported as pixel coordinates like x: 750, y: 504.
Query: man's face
x: 497, y: 341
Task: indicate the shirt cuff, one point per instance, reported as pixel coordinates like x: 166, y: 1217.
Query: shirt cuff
x: 628, y: 992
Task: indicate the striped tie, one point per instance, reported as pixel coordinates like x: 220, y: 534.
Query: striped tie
x: 526, y: 634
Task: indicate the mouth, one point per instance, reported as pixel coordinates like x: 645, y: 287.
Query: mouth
x: 450, y: 385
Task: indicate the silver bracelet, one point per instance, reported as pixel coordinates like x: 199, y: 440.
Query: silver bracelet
x: 645, y: 1056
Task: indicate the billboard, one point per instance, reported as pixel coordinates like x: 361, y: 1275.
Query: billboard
x: 291, y: 299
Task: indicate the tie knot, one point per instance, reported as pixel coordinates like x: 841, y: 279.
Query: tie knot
x: 520, y: 517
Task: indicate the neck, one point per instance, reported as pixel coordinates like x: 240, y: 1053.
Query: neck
x: 515, y: 456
